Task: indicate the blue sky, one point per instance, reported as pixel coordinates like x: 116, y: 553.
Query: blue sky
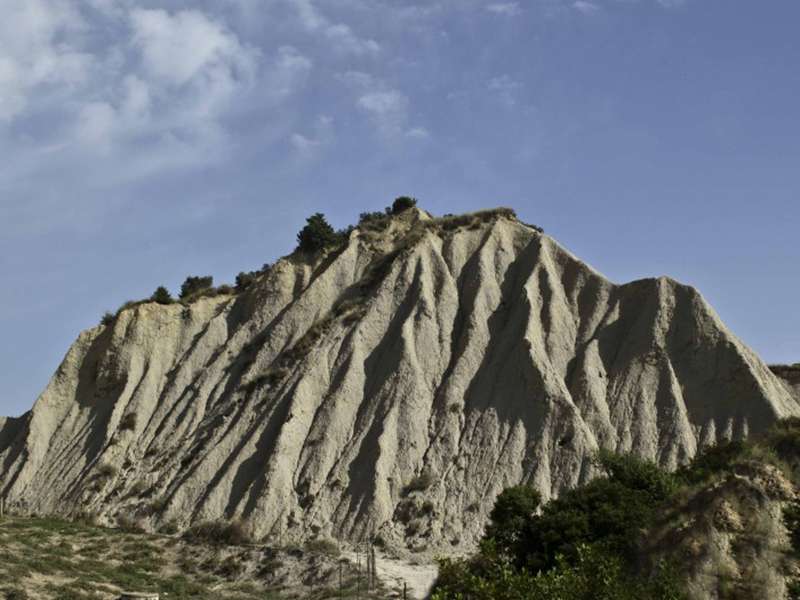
x: 146, y: 140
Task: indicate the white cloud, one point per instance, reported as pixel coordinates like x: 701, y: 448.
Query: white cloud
x: 418, y: 133
x: 345, y: 41
x: 388, y: 110
x: 289, y: 70
x: 509, y: 9
x: 357, y: 79
x: 307, y: 146
x: 340, y: 36
x: 505, y: 88
x: 179, y: 47
x: 587, y: 8
x: 384, y: 104
x: 39, y: 48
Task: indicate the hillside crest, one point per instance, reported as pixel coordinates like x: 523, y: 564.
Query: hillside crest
x: 391, y: 385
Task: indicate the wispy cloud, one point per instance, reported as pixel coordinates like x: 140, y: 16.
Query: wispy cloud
x: 586, y: 8
x: 307, y: 145
x: 509, y: 9
x: 505, y: 88
x: 388, y: 109
x: 340, y: 36
x: 40, y: 48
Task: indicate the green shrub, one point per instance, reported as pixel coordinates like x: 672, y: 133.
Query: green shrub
x: 162, y: 296
x: 316, y: 235
x: 582, y: 545
x: 245, y: 279
x: 712, y: 460
x: 373, y: 220
x: 218, y: 533
x: 784, y: 438
x: 791, y: 518
x: 107, y: 471
x: 513, y: 510
x: 129, y: 524
x: 403, y: 203
x: 128, y: 422
x: 321, y: 546
x: 193, y: 285
x: 419, y: 484
x: 108, y: 319
x: 609, y: 510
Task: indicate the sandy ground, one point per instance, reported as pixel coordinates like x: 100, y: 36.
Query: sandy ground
x: 393, y: 573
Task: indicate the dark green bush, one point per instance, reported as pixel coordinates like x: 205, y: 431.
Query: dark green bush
x: 218, y: 533
x: 108, y: 319
x: 581, y: 546
x: 316, y: 235
x: 403, y: 203
x: 107, y: 471
x: 594, y: 575
x: 791, y: 518
x: 712, y: 460
x: 784, y: 439
x: 193, y: 285
x: 513, y: 510
x: 609, y: 510
x: 162, y: 296
x: 419, y: 484
x: 128, y: 422
x: 371, y: 218
x: 245, y: 279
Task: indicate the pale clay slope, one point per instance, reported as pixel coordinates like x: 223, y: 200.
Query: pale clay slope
x: 484, y: 357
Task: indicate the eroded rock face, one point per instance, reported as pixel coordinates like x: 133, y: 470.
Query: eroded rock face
x: 462, y: 355
x: 789, y: 375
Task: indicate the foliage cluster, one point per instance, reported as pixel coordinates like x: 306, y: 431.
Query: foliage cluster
x: 162, y: 296
x: 194, y: 285
x: 587, y: 543
x: 222, y: 533
x: 579, y: 546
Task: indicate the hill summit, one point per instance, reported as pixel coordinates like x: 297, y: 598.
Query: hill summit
x: 390, y: 383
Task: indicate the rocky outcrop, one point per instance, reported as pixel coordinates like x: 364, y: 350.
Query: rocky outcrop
x: 395, y: 385
x: 789, y: 375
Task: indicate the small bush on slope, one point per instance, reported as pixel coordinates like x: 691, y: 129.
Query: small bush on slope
x: 193, y: 285
x: 162, y: 296
x: 218, y: 533
x: 316, y: 235
x: 402, y: 203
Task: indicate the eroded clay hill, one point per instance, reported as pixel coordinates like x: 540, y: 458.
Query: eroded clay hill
x: 394, y: 385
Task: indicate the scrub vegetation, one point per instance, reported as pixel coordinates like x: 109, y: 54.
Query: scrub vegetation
x: 634, y: 532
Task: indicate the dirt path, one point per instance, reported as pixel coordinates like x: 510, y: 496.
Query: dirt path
x: 419, y: 579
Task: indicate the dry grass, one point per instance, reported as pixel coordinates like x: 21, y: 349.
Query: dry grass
x: 51, y: 559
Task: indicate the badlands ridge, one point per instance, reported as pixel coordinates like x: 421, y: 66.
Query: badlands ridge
x: 391, y: 386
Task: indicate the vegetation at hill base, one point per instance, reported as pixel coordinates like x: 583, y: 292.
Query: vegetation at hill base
x: 597, y: 541
x: 45, y: 558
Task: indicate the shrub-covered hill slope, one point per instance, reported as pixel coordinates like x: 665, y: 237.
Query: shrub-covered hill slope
x: 387, y: 380
x: 727, y: 526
